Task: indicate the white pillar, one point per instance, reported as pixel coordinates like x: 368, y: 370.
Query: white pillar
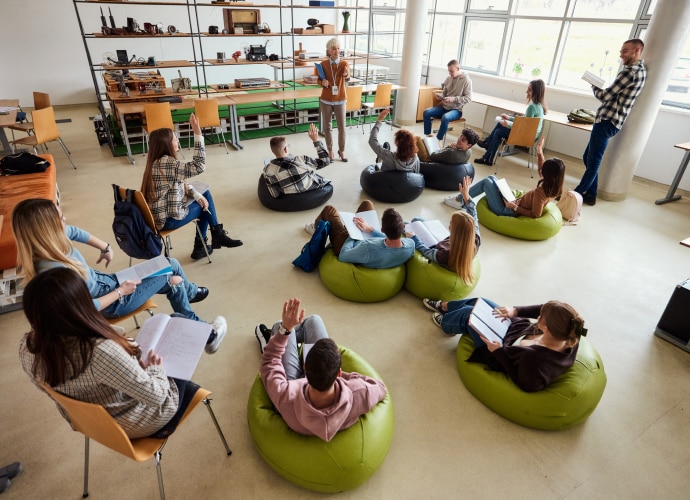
x: 668, y: 30
x: 411, y: 64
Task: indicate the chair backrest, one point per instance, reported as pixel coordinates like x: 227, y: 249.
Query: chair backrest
x: 354, y: 98
x: 383, y: 95
x: 41, y: 100
x: 140, y: 202
x: 206, y: 111
x: 523, y: 131
x: 158, y: 115
x: 95, y: 422
x: 45, y: 127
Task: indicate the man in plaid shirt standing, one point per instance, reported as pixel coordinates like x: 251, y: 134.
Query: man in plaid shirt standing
x: 616, y: 102
x: 288, y: 174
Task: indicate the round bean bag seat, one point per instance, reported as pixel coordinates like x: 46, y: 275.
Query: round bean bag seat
x: 567, y: 402
x: 393, y: 186
x: 343, y: 463
x: 359, y: 283
x: 426, y: 279
x: 445, y: 176
x: 524, y: 228
x: 293, y: 202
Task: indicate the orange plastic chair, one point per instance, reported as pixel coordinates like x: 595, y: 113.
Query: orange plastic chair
x: 522, y: 133
x: 45, y: 130
x: 354, y: 103
x: 41, y: 101
x: 206, y: 110
x: 157, y: 115
x: 94, y: 422
x: 382, y: 99
x: 140, y: 202
x: 146, y: 306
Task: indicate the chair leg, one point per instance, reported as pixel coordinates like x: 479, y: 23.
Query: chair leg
x: 167, y: 246
x: 207, y: 402
x: 198, y: 233
x: 159, y: 472
x: 69, y: 156
x: 86, y: 467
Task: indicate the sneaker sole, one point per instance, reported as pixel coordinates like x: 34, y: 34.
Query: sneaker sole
x: 260, y: 338
x: 432, y: 309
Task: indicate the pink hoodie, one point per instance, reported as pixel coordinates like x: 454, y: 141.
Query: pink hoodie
x: 355, y: 395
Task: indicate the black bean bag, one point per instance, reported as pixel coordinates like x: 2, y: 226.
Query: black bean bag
x: 293, y: 202
x: 445, y: 176
x: 393, y: 186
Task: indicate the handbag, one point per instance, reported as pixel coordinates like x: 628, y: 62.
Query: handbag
x: 23, y: 163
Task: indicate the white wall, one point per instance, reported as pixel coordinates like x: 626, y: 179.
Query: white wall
x: 43, y: 51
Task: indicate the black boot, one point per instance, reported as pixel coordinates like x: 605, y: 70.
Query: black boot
x: 220, y: 238
x: 198, y: 252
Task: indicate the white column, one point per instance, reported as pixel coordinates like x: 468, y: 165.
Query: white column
x: 414, y: 44
x: 668, y: 30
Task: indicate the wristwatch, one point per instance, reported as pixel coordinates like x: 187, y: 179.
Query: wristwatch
x: 283, y: 331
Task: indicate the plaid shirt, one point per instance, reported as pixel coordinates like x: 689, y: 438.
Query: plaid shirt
x: 296, y: 174
x: 141, y: 400
x: 168, y: 181
x: 617, y: 100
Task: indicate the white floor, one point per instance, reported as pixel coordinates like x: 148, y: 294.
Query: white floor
x: 618, y: 267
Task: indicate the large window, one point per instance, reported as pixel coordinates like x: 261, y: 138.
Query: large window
x: 482, y: 44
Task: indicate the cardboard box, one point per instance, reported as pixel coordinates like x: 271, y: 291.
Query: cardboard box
x: 327, y: 29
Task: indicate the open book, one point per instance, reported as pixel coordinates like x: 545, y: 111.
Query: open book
x: 178, y: 341
x: 432, y: 145
x: 505, y: 189
x: 429, y: 231
x: 152, y: 267
x: 370, y: 217
x: 484, y: 322
x: 593, y: 79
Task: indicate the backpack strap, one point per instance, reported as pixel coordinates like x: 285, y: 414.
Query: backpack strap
x: 130, y: 196
x: 116, y: 193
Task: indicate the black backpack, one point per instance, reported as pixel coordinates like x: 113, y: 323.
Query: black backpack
x: 23, y: 163
x: 132, y: 234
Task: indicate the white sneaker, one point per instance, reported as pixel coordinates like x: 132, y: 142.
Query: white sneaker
x: 220, y: 326
x: 309, y: 228
x: 452, y: 201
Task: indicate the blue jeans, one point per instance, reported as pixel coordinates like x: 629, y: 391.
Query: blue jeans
x: 598, y: 141
x: 308, y: 331
x: 195, y: 212
x: 178, y: 295
x: 455, y: 321
x: 445, y: 116
x: 493, y: 141
x: 493, y: 196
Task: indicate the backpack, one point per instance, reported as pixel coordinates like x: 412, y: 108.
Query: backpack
x: 314, y: 249
x: 581, y: 115
x: 133, y: 236
x: 23, y: 163
x: 570, y: 205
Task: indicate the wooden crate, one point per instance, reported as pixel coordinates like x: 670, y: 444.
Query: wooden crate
x: 132, y: 81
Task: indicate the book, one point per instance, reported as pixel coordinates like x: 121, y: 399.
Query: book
x: 370, y: 217
x: 431, y: 144
x: 485, y: 322
x: 505, y: 189
x: 429, y: 231
x: 593, y: 79
x: 320, y: 71
x: 178, y: 341
x: 152, y: 267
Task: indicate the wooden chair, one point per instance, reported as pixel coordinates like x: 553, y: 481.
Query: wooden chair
x: 157, y: 115
x: 522, y: 133
x: 206, y: 110
x: 146, y: 306
x: 382, y: 99
x: 143, y: 207
x: 354, y: 103
x: 45, y: 130
x: 41, y: 101
x: 94, y: 422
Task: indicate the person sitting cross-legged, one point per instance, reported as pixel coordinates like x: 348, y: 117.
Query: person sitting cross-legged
x: 314, y: 397
x: 384, y: 249
x: 289, y: 174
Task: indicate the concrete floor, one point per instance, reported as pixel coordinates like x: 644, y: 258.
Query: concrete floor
x: 617, y: 267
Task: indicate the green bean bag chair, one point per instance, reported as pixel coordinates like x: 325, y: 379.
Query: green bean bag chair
x: 524, y: 228
x: 426, y: 279
x: 345, y: 462
x: 359, y: 283
x: 567, y: 402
